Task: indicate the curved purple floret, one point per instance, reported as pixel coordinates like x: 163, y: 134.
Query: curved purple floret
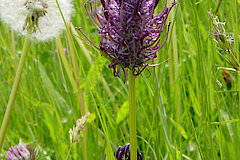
x: 130, y: 32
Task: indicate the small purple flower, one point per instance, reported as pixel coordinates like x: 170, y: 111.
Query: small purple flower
x: 130, y: 32
x: 19, y: 152
x: 123, y: 153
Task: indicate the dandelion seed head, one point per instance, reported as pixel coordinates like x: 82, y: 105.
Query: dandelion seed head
x: 43, y: 15
x: 36, y: 6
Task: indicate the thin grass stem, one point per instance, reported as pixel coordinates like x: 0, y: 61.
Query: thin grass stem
x: 13, y: 93
x: 236, y: 48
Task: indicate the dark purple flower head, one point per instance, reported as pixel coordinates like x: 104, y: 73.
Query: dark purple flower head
x: 130, y: 32
x: 123, y: 153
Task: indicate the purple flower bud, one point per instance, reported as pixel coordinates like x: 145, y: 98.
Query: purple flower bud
x: 123, y: 153
x: 130, y: 32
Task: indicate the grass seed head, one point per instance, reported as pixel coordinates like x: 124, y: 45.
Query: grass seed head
x: 75, y: 132
x: 225, y: 42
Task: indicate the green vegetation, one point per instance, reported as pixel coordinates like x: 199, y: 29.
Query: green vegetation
x: 182, y: 112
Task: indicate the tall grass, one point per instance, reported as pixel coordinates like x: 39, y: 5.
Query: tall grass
x: 181, y: 111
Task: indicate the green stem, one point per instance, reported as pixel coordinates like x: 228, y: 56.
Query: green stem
x: 132, y: 114
x: 236, y: 48
x: 14, y: 91
x: 69, y: 151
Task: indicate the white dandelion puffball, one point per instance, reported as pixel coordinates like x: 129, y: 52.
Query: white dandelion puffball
x: 43, y: 16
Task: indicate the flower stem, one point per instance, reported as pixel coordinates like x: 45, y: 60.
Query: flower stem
x: 14, y: 91
x: 132, y: 114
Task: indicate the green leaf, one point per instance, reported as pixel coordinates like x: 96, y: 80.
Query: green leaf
x: 123, y: 112
x: 53, y: 95
x: 179, y: 128
x: 91, y: 117
x: 95, y: 72
x: 195, y: 102
x: 227, y: 129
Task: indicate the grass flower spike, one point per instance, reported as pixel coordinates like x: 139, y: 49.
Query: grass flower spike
x: 130, y: 32
x: 75, y: 131
x: 225, y: 42
x: 41, y: 16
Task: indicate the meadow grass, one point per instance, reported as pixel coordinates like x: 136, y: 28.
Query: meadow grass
x: 181, y: 111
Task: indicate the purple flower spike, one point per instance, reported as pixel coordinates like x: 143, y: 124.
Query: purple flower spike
x: 123, y: 153
x: 130, y: 32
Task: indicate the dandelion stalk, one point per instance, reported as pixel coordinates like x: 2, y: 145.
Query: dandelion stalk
x: 14, y: 90
x: 132, y: 116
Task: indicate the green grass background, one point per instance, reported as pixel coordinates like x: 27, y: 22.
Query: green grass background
x: 181, y: 111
